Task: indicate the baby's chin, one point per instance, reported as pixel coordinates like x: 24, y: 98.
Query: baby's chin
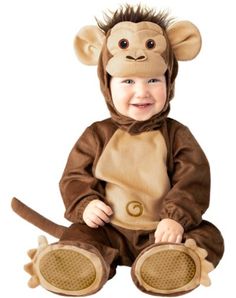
x: 142, y: 117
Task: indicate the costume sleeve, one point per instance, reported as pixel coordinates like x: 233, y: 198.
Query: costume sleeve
x: 189, y: 195
x: 78, y: 185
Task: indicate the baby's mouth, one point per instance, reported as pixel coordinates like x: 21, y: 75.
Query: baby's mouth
x: 141, y: 105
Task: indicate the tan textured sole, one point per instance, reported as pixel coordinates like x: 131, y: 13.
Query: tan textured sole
x: 69, y: 270
x: 168, y: 269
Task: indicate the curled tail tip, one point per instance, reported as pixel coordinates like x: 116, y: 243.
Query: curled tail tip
x: 15, y: 203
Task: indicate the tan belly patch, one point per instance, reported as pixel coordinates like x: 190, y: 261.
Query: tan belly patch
x: 134, y: 167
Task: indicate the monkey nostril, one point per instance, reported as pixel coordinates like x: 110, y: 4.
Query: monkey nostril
x: 130, y: 58
x: 140, y: 58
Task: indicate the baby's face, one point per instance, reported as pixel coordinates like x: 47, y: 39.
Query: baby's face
x: 138, y: 98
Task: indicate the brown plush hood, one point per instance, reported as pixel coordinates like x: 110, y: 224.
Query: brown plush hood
x: 124, y: 122
x: 136, y: 41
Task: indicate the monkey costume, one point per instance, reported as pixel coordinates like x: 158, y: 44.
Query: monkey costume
x: 145, y: 170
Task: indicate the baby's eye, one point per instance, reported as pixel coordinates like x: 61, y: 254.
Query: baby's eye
x: 153, y: 81
x: 128, y: 81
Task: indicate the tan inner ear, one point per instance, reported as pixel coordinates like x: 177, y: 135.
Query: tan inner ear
x: 88, y: 44
x: 185, y: 40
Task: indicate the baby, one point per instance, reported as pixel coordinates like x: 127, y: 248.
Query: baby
x: 135, y: 185
x: 138, y: 98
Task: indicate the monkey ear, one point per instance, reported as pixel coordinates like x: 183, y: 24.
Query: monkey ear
x: 185, y: 39
x: 88, y: 44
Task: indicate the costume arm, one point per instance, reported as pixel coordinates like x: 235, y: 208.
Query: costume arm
x: 78, y: 185
x: 189, y: 195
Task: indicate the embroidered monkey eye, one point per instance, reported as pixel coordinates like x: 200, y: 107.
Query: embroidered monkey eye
x: 123, y: 43
x: 150, y: 44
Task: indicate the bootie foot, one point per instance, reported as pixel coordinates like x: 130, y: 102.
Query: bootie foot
x: 171, y: 269
x: 67, y: 269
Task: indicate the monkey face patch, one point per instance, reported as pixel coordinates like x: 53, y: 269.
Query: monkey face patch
x: 136, y: 50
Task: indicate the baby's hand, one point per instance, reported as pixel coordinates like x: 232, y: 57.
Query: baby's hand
x: 169, y: 230
x: 97, y: 214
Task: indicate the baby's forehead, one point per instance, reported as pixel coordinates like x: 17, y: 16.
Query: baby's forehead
x: 137, y: 27
x: 136, y: 78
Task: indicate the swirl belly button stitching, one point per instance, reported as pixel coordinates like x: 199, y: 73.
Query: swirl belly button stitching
x: 134, y: 208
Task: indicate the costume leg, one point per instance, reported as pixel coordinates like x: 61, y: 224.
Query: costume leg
x: 105, y: 239
x: 207, y: 236
x: 79, y: 264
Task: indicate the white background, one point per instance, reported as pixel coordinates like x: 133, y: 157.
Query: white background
x: 47, y: 98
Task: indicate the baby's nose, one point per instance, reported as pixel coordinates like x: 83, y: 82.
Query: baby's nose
x: 142, y: 90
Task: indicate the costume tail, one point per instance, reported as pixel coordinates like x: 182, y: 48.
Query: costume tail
x: 37, y: 219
